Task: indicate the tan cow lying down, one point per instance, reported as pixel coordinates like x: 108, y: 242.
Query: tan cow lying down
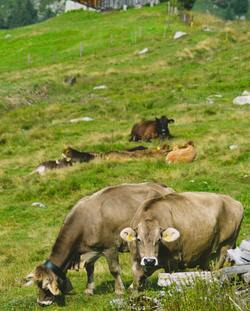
x: 91, y: 230
x: 184, y: 154
x: 182, y: 230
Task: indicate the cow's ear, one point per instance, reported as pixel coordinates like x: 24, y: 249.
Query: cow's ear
x: 170, y: 120
x: 170, y: 235
x: 29, y: 280
x: 128, y: 234
x: 51, y: 285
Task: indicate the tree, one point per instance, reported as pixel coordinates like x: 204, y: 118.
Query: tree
x: 240, y: 7
x: 22, y: 12
x: 187, y: 4
x: 2, y: 22
x: 29, y: 13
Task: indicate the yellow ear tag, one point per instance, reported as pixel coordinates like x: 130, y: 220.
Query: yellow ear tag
x: 167, y: 237
x: 158, y: 148
x: 68, y: 159
x: 130, y: 238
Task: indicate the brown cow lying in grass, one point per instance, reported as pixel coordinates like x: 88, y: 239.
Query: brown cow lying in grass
x: 184, y: 154
x: 77, y: 156
x: 147, y: 130
x: 51, y: 165
x: 159, y: 152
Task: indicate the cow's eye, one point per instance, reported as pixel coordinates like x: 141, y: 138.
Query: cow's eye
x: 138, y: 240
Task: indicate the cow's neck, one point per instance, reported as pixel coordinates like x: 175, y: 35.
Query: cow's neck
x: 65, y: 247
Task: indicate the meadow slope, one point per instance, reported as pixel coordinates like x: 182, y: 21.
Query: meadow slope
x: 193, y: 80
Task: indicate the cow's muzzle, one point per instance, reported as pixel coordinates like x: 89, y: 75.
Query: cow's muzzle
x: 149, y: 261
x: 45, y: 303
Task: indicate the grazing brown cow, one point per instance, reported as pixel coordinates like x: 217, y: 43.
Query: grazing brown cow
x: 182, y: 230
x: 147, y: 130
x: 77, y: 156
x: 91, y: 230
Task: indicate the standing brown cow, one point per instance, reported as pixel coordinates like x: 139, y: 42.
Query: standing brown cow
x: 147, y: 130
x: 182, y: 230
x: 91, y: 230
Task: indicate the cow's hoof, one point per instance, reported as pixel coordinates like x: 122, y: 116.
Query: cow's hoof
x: 89, y: 292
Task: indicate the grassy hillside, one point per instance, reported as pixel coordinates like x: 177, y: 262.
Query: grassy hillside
x: 177, y: 78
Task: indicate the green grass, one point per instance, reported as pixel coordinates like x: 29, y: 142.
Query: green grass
x: 175, y: 78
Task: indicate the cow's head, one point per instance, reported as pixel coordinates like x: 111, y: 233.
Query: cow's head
x: 49, y: 285
x: 162, y: 126
x: 68, y: 154
x: 147, y: 237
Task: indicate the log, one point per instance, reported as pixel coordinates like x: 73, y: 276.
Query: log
x: 188, y: 278
x: 183, y: 278
x: 246, y: 278
x: 227, y: 273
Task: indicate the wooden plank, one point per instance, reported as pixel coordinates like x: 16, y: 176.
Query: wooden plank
x: 188, y: 278
x: 246, y: 278
x: 183, y: 278
x: 229, y: 272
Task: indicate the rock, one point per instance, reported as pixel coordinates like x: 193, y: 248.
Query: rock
x: 39, y: 204
x: 244, y: 99
x: 71, y: 80
x: 240, y: 255
x: 100, y: 87
x: 83, y: 119
x: 233, y: 147
x: 179, y: 34
x: 8, y: 36
x: 144, y: 51
x: 207, y: 29
x: 210, y: 101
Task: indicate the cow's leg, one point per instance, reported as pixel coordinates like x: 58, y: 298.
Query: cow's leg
x: 111, y: 256
x: 222, y: 255
x: 90, y: 286
x: 140, y: 275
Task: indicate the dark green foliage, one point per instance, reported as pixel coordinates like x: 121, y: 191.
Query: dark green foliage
x: 187, y: 4
x: 233, y: 7
x: 21, y: 13
x: 240, y: 7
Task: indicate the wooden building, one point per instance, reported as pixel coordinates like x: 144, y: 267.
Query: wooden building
x: 115, y: 4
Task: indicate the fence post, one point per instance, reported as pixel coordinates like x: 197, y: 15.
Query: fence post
x: 29, y: 59
x: 81, y: 49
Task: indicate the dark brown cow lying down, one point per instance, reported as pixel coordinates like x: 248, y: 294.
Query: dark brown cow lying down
x: 92, y: 229
x: 182, y: 230
x: 147, y: 130
x: 77, y: 156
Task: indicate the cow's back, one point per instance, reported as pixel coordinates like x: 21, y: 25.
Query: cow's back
x: 105, y: 213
